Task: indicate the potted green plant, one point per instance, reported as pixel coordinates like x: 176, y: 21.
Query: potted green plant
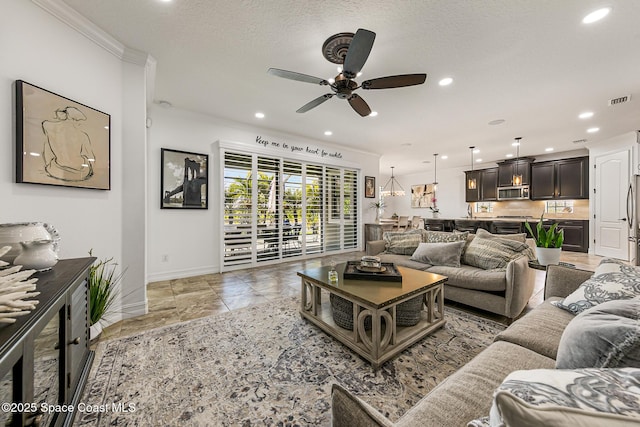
x: 104, y: 287
x: 548, y: 242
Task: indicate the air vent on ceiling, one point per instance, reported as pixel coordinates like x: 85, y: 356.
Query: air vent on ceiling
x: 620, y: 100
x: 579, y: 141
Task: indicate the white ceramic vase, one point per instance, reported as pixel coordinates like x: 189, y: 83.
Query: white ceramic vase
x: 37, y: 255
x: 547, y: 256
x: 14, y: 233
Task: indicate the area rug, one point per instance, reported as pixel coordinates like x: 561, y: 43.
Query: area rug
x: 263, y: 365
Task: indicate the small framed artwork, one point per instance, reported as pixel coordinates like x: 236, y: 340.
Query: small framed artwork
x: 184, y: 180
x: 60, y: 141
x: 370, y: 186
x: 422, y: 196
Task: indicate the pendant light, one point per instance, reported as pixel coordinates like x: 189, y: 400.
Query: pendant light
x: 389, y: 188
x: 472, y: 183
x: 435, y: 172
x: 516, y: 179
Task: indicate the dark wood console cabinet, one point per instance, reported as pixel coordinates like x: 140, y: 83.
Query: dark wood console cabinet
x: 44, y: 356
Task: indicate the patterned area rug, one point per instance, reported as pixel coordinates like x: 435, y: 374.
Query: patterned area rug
x: 263, y: 365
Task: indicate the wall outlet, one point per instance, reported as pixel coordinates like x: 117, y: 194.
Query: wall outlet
x: 165, y: 258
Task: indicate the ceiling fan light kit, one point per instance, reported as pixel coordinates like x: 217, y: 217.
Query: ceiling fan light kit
x: 351, y: 50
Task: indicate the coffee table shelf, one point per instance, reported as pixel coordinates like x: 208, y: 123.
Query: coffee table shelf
x: 377, y: 300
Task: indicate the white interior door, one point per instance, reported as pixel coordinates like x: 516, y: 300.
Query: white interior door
x: 611, y: 228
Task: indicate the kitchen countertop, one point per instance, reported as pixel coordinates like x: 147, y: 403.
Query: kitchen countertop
x: 510, y: 219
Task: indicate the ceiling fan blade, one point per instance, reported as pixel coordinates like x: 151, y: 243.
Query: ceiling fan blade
x: 394, y: 81
x: 359, y: 105
x: 358, y: 52
x: 313, y: 104
x: 292, y: 75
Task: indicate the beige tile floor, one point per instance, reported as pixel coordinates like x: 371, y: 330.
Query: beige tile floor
x: 179, y: 300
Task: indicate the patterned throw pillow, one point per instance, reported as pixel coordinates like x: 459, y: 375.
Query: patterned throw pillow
x: 612, y: 280
x: 495, y: 253
x: 519, y: 237
x: 444, y: 237
x: 401, y: 243
x: 563, y: 397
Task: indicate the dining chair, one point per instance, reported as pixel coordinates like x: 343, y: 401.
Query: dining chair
x: 416, y: 222
x: 403, y: 222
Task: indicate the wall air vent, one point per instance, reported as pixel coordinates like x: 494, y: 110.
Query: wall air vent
x: 579, y: 141
x: 620, y: 100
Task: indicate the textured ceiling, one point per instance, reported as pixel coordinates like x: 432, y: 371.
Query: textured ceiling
x: 529, y: 62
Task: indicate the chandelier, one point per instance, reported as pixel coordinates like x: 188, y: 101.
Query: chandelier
x: 392, y: 187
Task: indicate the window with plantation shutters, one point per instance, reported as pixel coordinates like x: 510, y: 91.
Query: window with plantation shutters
x: 276, y: 208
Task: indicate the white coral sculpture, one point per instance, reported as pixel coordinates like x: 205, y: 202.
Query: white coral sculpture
x: 15, y: 289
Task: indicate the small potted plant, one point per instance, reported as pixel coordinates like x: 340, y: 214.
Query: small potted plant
x: 434, y: 208
x: 548, y: 242
x: 104, y: 287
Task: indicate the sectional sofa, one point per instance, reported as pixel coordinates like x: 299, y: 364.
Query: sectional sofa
x: 529, y: 346
x: 505, y: 291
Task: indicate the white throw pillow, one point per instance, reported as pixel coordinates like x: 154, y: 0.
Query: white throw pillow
x: 563, y: 397
x: 612, y: 280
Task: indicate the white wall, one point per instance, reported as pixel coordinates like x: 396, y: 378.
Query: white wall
x: 191, y: 238
x: 39, y: 48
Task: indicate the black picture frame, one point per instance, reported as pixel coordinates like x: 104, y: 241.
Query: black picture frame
x: 60, y: 141
x: 179, y: 169
x: 370, y: 187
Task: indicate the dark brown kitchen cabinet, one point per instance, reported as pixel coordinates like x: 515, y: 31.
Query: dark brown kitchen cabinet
x: 486, y: 185
x: 508, y: 168
x: 489, y: 185
x: 560, y: 179
x: 576, y: 235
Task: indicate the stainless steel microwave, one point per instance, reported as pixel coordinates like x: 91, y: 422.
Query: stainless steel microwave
x: 520, y: 192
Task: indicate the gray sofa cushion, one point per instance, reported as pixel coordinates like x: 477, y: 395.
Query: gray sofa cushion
x: 612, y: 280
x: 539, y: 330
x: 467, y: 394
x: 403, y: 261
x: 605, y: 336
x: 439, y: 253
x: 469, y: 277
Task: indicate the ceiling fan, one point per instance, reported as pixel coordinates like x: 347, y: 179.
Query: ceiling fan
x: 351, y: 50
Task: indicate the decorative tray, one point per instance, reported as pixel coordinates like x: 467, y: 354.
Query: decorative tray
x: 387, y: 272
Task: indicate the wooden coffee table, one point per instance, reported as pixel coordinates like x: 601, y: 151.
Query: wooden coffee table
x: 378, y: 300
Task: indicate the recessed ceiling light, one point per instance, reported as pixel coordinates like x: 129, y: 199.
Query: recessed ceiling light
x: 373, y: 114
x: 585, y: 115
x: 445, y: 157
x: 596, y: 15
x: 426, y: 161
x: 328, y: 133
x: 446, y: 81
x: 593, y: 130
x: 478, y: 160
x: 497, y: 122
x: 164, y: 104
x: 259, y: 115
x: 548, y: 149
x: 509, y: 155
x: 476, y: 151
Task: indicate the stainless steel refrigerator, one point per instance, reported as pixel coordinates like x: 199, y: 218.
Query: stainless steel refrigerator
x: 633, y: 217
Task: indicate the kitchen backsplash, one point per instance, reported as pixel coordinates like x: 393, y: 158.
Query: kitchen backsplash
x: 524, y: 208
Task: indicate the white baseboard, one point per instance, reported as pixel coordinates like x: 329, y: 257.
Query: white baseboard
x: 134, y: 310
x: 180, y: 274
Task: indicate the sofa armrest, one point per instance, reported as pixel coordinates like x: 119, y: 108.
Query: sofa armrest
x: 520, y: 284
x: 374, y: 247
x: 349, y: 411
x: 562, y: 281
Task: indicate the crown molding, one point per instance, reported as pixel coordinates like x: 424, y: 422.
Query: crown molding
x: 75, y: 20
